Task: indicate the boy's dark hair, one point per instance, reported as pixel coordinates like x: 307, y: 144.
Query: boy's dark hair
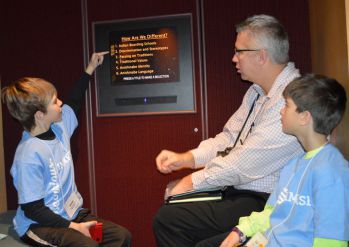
x: 322, y: 96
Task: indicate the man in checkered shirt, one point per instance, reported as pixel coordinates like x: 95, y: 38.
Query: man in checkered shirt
x: 253, y: 135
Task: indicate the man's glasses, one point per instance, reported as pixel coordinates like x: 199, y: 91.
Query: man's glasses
x: 239, y: 51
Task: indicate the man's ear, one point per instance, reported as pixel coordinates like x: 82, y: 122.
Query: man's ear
x: 262, y: 56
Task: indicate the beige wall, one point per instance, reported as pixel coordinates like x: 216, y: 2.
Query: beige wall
x: 3, y: 201
x: 329, y: 49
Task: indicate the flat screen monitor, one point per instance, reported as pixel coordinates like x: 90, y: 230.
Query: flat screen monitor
x: 149, y: 68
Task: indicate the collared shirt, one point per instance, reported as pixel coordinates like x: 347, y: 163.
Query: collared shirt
x: 263, y: 149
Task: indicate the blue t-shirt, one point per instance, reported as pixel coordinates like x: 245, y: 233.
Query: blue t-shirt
x: 44, y: 169
x: 311, y: 200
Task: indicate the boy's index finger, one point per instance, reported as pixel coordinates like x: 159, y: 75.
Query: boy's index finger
x: 103, y: 53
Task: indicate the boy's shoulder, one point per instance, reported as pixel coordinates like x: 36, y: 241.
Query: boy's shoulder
x: 328, y: 161
x: 26, y: 141
x: 27, y: 145
x: 331, y: 166
x: 293, y: 162
x: 331, y: 157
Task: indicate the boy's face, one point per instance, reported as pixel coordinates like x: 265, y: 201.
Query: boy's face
x: 54, y: 111
x: 290, y: 117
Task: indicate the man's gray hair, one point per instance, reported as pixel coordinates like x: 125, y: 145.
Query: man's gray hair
x: 269, y: 33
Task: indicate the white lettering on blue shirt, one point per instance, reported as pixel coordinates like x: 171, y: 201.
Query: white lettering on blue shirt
x: 288, y: 196
x: 55, y: 188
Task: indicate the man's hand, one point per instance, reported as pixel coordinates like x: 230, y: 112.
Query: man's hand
x: 83, y: 227
x: 96, y: 60
x: 168, y: 161
x: 231, y: 240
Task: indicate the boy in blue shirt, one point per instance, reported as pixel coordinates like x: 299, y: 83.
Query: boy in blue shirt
x: 310, y: 204
x: 50, y: 209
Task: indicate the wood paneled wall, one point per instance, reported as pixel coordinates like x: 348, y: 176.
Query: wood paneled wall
x: 3, y: 193
x: 329, y: 53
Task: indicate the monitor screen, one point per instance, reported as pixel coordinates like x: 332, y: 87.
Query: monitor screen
x: 147, y: 55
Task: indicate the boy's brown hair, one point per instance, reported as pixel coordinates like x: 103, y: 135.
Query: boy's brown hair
x: 25, y: 96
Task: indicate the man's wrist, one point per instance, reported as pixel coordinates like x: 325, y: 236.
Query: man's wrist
x: 189, y: 159
x: 242, y: 236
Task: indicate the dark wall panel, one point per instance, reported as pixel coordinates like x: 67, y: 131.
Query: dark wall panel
x: 129, y: 188
x: 41, y: 39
